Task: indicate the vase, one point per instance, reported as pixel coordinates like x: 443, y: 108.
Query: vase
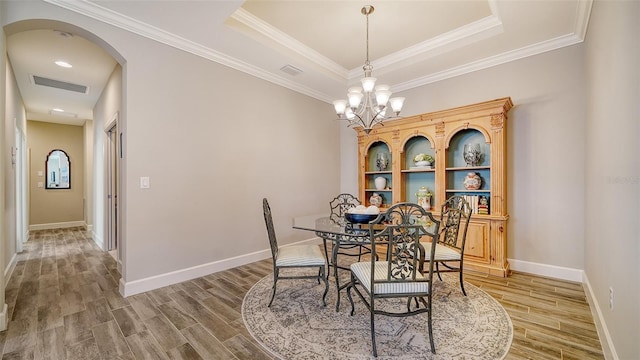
x: 472, y: 181
x: 423, y: 163
x: 381, y: 183
x: 382, y: 161
x: 375, y: 200
x: 472, y: 154
x: 424, y: 198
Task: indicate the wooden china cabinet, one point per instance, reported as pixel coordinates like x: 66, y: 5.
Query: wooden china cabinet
x: 443, y: 135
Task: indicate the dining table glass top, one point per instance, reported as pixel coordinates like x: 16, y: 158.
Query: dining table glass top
x: 324, y: 227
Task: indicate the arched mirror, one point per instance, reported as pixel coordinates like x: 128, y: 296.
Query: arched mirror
x: 58, y: 168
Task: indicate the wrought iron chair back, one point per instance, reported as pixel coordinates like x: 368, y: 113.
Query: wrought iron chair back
x: 397, y: 274
x: 340, y: 205
x: 399, y: 240
x: 456, y: 213
x: 268, y: 220
x: 455, y: 216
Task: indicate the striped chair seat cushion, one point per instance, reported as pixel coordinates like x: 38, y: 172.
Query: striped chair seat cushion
x: 300, y: 255
x: 443, y: 253
x: 362, y: 270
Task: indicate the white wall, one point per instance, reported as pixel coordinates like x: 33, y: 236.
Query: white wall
x: 545, y: 148
x: 109, y: 105
x: 612, y: 174
x: 14, y: 112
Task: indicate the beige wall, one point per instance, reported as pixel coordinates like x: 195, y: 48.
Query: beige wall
x: 54, y: 206
x: 612, y: 174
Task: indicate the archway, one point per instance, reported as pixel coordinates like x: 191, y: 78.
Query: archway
x: 95, y: 187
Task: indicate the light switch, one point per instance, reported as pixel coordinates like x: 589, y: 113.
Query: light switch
x: 40, y: 173
x: 40, y: 184
x: 144, y: 182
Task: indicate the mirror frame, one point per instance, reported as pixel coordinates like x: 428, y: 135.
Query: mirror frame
x: 46, y: 166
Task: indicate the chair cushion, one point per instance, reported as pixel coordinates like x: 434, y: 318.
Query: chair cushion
x: 362, y: 271
x: 443, y: 253
x: 300, y: 255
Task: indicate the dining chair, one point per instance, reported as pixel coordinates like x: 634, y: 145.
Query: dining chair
x: 449, y: 252
x: 340, y: 205
x: 395, y: 273
x: 294, y: 256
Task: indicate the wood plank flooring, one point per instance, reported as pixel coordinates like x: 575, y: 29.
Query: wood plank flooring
x: 64, y: 304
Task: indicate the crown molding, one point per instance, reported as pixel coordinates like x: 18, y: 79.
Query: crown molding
x: 503, y: 58
x: 583, y: 13
x: 264, y: 28
x: 124, y: 22
x: 487, y: 26
x: 464, y: 35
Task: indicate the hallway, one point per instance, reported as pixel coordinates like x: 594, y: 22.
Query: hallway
x: 63, y: 303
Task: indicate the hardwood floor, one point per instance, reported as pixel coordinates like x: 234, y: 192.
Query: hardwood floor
x: 63, y: 303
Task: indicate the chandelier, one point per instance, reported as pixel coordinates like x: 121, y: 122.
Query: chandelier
x: 364, y: 107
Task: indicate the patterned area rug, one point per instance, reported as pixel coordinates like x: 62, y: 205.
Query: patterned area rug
x: 297, y: 326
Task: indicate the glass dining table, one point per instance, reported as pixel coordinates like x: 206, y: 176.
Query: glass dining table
x: 338, y: 234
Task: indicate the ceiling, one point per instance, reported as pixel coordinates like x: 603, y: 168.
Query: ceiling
x: 320, y: 44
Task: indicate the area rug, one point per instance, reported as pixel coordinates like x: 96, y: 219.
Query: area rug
x: 297, y: 326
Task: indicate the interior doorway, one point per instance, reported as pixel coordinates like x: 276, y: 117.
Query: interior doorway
x: 112, y: 165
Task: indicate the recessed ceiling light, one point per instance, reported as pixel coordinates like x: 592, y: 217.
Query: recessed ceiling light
x: 60, y: 112
x: 63, y: 64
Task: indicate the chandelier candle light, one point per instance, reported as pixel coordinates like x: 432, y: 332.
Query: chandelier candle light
x: 365, y: 108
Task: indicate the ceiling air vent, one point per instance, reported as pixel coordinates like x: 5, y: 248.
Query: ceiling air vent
x: 291, y: 70
x: 39, y: 80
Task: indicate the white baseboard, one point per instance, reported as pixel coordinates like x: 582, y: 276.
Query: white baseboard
x: 553, y: 271
x: 89, y: 227
x: 98, y: 240
x: 8, y: 271
x: 154, y: 282
x: 60, y: 225
x: 608, y: 349
x: 4, y: 319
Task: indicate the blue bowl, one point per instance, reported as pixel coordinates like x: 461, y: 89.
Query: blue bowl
x: 360, y: 218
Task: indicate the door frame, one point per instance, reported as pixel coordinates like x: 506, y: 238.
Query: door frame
x: 112, y: 174
x: 19, y: 161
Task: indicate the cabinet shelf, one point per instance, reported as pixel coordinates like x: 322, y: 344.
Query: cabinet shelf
x: 467, y: 191
x: 463, y: 168
x: 444, y: 135
x: 418, y: 170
